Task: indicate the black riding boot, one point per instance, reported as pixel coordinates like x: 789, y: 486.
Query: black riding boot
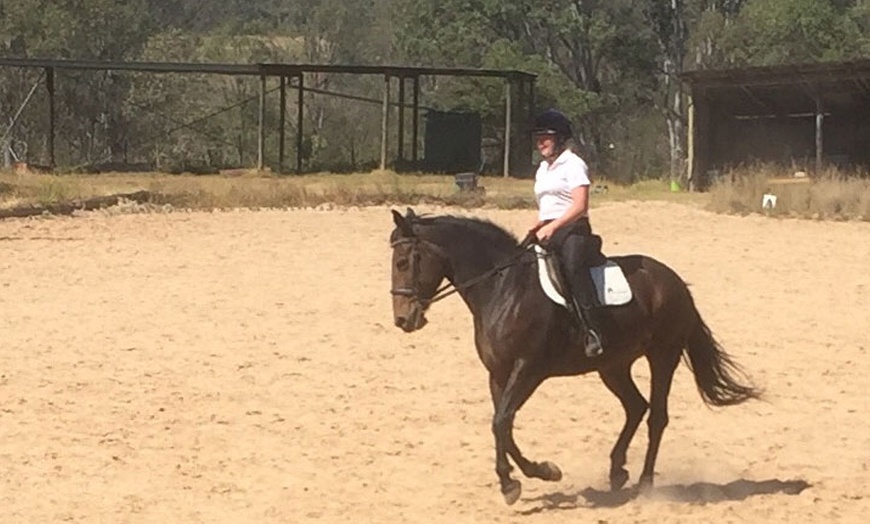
x: 584, y: 305
x: 594, y: 344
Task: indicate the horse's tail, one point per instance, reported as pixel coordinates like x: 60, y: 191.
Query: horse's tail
x: 717, y: 376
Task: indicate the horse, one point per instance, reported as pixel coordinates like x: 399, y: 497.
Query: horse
x: 522, y: 337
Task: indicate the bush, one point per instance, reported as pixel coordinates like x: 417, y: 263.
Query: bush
x: 833, y: 195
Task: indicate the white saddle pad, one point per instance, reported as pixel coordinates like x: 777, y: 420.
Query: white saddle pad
x: 610, y: 282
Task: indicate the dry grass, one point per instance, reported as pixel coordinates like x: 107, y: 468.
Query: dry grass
x: 830, y: 196
x: 252, y: 189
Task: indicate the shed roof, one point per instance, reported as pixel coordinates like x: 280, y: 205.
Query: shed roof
x: 781, y: 75
x: 267, y: 69
x: 796, y: 89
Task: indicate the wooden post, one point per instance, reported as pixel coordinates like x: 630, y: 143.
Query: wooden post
x: 690, y: 160
x: 401, y: 132
x: 282, y: 111
x: 416, y: 119
x: 820, y: 120
x: 522, y: 157
x: 507, y: 128
x: 385, y: 120
x: 699, y: 132
x: 261, y: 134
x: 531, y: 118
x: 299, y: 104
x: 522, y: 136
x: 532, y: 104
x: 52, y: 116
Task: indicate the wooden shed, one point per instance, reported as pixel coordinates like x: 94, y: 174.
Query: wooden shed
x: 803, y: 116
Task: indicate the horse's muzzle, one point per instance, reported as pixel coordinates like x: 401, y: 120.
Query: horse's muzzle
x: 416, y: 320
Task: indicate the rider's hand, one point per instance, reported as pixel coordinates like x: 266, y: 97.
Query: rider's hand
x: 546, y: 233
x: 529, y: 240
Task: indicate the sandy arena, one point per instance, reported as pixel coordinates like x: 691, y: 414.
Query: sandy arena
x: 243, y: 367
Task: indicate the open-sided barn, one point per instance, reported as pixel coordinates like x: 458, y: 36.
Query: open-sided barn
x: 806, y: 116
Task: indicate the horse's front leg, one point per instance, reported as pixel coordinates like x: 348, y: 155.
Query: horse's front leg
x: 508, y: 397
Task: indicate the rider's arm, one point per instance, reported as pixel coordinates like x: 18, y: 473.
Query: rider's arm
x: 579, y: 207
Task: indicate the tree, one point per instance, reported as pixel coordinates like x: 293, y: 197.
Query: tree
x: 593, y: 58
x: 91, y: 121
x: 769, y: 32
x: 668, y: 19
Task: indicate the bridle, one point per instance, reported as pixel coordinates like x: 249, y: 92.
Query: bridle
x: 412, y: 291
x: 449, y: 288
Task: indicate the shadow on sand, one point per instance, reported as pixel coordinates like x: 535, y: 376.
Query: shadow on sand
x: 698, y: 493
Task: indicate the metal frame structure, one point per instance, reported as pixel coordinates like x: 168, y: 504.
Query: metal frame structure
x: 524, y: 83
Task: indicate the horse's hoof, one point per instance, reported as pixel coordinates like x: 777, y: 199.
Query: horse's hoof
x: 512, y: 491
x: 645, y: 485
x: 549, y: 471
x: 618, y: 478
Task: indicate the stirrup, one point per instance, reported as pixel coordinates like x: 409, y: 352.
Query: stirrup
x: 594, y: 347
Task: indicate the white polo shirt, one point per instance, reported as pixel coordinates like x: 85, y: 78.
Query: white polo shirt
x: 554, y: 183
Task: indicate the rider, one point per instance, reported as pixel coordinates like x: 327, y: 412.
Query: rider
x: 562, y: 191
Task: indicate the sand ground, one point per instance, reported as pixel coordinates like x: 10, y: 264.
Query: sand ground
x: 243, y: 367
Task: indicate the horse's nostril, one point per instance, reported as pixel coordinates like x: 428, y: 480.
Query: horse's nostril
x: 400, y: 321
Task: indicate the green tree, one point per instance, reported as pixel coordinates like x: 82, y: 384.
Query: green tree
x: 593, y: 57
x: 90, y: 120
x: 668, y: 19
x: 769, y: 32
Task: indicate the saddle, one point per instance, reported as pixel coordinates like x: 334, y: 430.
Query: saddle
x: 611, y: 286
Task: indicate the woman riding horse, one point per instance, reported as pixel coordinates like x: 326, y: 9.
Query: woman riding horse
x: 562, y: 191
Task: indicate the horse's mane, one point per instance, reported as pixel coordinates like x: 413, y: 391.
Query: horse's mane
x: 487, y: 231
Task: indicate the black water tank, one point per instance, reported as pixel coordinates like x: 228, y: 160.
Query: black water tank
x: 452, y: 141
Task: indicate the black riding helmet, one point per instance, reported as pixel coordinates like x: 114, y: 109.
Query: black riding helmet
x: 552, y: 122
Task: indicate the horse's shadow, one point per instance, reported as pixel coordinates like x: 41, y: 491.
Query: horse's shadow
x: 697, y: 493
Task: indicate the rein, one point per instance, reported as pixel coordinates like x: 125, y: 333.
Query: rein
x: 449, y: 288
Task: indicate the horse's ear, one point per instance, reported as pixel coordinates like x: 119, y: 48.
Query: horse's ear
x: 398, y: 218
x: 402, y: 223
x: 410, y: 215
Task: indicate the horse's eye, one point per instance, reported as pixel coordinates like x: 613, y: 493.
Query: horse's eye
x: 402, y: 264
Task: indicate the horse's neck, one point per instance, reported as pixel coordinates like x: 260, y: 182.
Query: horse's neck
x: 466, y: 268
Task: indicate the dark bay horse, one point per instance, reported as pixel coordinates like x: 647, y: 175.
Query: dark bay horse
x: 523, y: 338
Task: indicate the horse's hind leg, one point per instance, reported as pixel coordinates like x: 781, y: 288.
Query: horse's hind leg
x: 620, y: 383
x: 507, y: 400
x: 662, y: 365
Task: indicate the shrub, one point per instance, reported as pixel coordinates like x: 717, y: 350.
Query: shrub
x: 832, y: 195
